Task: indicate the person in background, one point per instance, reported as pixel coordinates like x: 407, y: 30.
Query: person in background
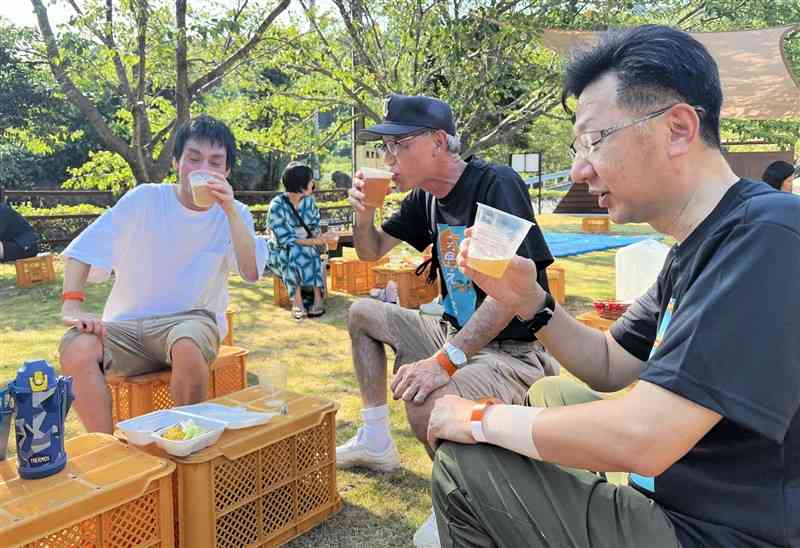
x: 17, y: 238
x: 294, y: 223
x: 779, y: 175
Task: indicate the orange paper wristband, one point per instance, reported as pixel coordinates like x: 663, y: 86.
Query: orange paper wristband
x: 73, y: 296
x: 445, y: 362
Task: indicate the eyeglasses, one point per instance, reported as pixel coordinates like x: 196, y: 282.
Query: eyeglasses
x: 392, y: 147
x: 586, y: 143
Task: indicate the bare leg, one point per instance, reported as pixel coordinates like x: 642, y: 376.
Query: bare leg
x: 189, y: 382
x: 317, y: 297
x: 366, y: 323
x: 418, y: 415
x: 82, y: 360
x: 298, y: 298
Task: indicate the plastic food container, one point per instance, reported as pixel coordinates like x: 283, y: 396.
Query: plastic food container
x: 212, y: 418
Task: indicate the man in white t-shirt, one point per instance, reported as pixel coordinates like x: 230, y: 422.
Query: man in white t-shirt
x: 171, y: 259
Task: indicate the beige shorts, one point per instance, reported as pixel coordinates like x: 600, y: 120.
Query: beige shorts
x: 133, y: 347
x: 503, y: 369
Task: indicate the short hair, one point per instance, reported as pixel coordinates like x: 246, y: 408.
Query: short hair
x: 296, y: 177
x: 776, y: 173
x: 654, y: 65
x: 210, y: 130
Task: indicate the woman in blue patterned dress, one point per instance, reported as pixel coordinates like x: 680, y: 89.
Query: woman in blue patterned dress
x: 294, y: 222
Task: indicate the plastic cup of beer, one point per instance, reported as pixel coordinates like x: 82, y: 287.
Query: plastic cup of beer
x: 376, y: 186
x: 496, y: 236
x: 272, y: 381
x: 201, y: 193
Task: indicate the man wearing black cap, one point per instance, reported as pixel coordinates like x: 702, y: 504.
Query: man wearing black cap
x: 478, y: 350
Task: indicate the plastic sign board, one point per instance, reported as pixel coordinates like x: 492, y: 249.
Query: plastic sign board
x: 526, y: 163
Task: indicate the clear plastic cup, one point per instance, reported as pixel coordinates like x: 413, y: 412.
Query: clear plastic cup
x: 201, y: 193
x: 272, y: 380
x: 376, y: 186
x: 496, y: 236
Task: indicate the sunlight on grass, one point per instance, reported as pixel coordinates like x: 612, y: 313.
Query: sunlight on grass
x: 380, y: 510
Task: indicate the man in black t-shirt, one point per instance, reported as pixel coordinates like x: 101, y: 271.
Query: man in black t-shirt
x: 477, y: 351
x: 710, y: 433
x: 17, y: 238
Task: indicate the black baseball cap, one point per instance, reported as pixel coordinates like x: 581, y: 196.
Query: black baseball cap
x: 407, y: 114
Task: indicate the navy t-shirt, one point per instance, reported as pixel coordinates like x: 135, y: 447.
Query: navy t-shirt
x: 496, y: 186
x: 721, y: 327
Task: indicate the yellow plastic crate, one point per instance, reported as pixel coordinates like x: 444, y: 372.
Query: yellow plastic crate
x: 412, y: 290
x: 109, y: 495
x: 595, y: 224
x: 35, y: 271
x: 140, y: 394
x: 260, y: 486
x: 556, y: 279
x: 353, y: 276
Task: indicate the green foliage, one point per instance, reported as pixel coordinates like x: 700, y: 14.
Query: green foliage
x: 79, y: 209
x: 103, y: 171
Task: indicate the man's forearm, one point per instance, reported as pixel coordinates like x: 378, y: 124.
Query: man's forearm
x: 75, y: 275
x: 366, y: 238
x: 244, y: 246
x: 488, y: 320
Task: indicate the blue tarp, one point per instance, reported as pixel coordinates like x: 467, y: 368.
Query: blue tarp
x: 565, y: 244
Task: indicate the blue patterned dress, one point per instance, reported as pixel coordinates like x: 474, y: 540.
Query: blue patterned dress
x: 297, y: 265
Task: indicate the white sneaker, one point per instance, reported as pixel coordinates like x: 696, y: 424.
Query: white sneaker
x: 433, y: 308
x: 356, y: 453
x: 427, y: 536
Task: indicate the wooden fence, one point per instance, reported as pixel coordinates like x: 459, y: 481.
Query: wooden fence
x: 103, y: 198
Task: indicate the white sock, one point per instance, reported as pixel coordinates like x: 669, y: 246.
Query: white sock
x: 375, y: 433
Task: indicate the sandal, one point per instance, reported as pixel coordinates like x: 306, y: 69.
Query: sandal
x: 316, y: 311
x: 298, y: 313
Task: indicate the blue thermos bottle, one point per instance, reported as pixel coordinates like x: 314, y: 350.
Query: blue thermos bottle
x: 41, y: 402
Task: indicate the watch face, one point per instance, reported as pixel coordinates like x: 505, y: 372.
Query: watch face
x: 455, y: 354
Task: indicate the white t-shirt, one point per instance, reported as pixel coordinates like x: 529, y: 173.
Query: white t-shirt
x: 166, y: 258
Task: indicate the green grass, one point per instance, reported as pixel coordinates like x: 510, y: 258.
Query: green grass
x: 380, y: 510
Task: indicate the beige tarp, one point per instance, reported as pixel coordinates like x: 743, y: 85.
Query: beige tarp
x: 756, y: 83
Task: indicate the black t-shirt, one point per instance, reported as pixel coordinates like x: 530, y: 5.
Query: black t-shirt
x: 12, y: 224
x: 721, y: 327
x: 496, y: 186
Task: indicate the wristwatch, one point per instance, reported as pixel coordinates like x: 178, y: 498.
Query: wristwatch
x: 542, y: 317
x: 456, y: 355
x: 476, y: 419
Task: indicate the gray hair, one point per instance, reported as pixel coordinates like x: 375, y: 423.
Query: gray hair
x: 453, y: 144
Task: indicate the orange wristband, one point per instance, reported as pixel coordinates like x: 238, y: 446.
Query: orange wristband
x: 73, y: 296
x: 445, y: 362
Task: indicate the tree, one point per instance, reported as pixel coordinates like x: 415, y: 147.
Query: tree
x: 138, y: 51
x: 484, y: 58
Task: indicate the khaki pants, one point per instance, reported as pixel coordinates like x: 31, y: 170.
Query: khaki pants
x: 486, y: 496
x: 134, y: 347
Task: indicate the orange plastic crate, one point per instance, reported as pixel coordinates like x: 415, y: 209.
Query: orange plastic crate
x: 412, y: 290
x: 260, y: 486
x: 280, y: 295
x: 353, y: 276
x: 556, y: 279
x: 140, y: 394
x: 595, y: 224
x: 109, y: 495
x: 35, y: 271
x: 593, y: 319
